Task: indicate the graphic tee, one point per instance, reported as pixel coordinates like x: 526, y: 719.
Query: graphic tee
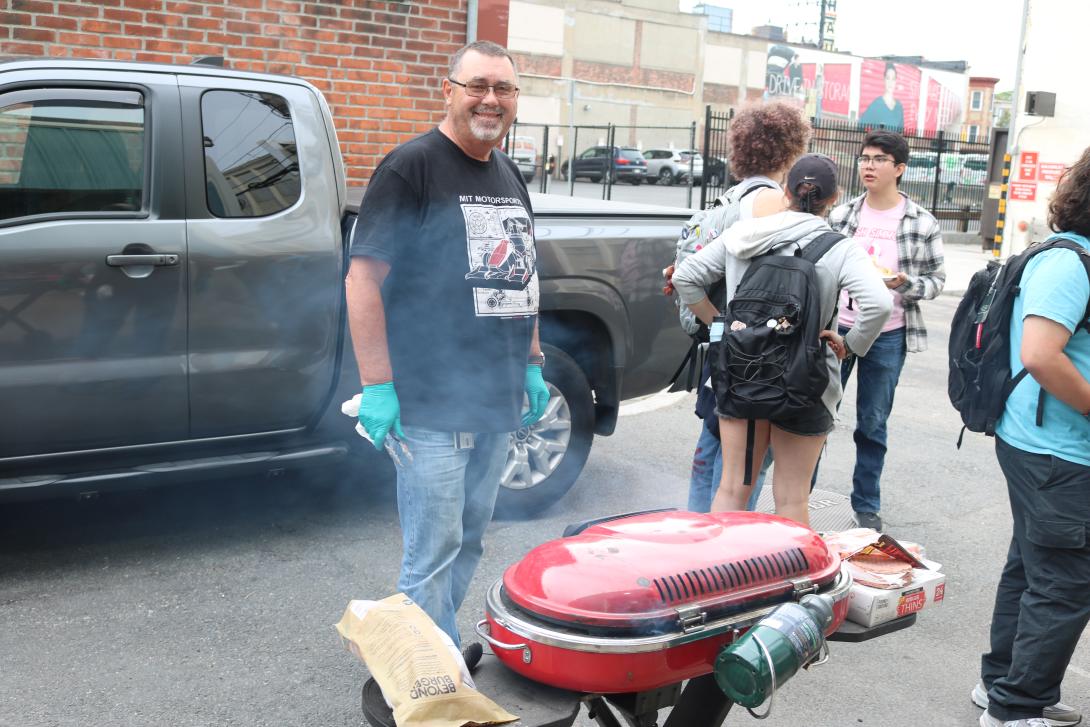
x: 461, y: 297
x: 877, y: 235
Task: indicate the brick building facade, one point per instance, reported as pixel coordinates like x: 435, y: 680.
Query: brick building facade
x: 379, y: 64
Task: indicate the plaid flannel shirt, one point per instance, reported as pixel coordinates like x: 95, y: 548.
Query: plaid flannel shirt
x: 919, y: 253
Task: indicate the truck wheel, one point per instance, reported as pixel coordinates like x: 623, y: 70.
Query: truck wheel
x: 545, y: 460
x: 666, y: 177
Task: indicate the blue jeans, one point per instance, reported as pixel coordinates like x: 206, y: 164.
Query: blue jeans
x: 445, y: 499
x: 879, y: 372
x: 708, y: 470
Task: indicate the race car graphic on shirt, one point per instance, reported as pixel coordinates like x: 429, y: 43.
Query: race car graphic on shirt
x: 502, y: 259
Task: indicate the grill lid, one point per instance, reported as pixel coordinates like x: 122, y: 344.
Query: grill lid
x: 668, y: 569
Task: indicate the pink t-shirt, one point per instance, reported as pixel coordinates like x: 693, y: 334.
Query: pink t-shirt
x: 877, y: 235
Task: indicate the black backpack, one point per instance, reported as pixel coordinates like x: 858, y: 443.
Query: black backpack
x: 980, y: 373
x: 770, y: 362
x: 701, y: 229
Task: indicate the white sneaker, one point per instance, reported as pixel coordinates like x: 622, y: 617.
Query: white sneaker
x: 1056, y: 715
x: 986, y: 720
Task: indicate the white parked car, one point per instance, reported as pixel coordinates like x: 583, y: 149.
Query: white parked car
x: 672, y: 165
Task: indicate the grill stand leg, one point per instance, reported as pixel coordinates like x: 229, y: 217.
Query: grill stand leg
x: 700, y: 704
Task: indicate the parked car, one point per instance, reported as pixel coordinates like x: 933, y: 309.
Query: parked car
x: 173, y: 254
x: 524, y: 154
x: 921, y: 167
x: 668, y: 166
x: 715, y: 172
x: 974, y: 169
x: 626, y: 164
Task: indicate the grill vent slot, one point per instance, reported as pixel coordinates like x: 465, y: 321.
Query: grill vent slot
x: 732, y: 575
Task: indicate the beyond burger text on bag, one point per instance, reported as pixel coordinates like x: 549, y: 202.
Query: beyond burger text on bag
x: 415, y: 665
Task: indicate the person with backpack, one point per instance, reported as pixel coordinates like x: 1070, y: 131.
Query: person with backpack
x: 904, y: 242
x: 763, y: 142
x: 1042, y: 442
x: 775, y: 361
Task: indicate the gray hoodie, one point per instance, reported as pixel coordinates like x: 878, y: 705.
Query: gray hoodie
x: 845, y: 266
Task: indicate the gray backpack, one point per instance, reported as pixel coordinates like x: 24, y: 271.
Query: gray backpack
x: 699, y: 231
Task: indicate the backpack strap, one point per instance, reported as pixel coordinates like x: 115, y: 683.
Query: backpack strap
x: 820, y: 245
x: 751, y: 436
x: 754, y: 188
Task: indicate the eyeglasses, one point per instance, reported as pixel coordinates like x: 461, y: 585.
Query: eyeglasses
x: 477, y: 89
x: 877, y: 161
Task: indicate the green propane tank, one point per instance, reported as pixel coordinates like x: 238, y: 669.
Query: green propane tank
x: 790, y: 637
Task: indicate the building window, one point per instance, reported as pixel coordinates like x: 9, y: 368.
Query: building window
x: 974, y: 131
x: 250, y: 162
x: 71, y: 151
x: 977, y: 101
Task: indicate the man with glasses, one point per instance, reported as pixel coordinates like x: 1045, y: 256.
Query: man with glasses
x: 904, y: 242
x: 444, y: 231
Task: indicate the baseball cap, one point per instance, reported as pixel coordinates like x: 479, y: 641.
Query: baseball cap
x: 817, y: 169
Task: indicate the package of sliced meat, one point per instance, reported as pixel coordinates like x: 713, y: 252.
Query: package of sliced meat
x: 876, y: 559
x: 890, y: 577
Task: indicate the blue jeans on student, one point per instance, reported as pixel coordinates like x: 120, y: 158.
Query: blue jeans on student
x: 445, y: 499
x: 879, y: 372
x: 708, y: 470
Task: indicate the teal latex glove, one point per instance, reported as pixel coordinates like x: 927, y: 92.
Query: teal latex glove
x: 380, y: 411
x: 538, y: 394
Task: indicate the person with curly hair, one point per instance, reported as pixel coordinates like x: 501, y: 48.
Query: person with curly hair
x: 1042, y: 603
x: 763, y: 142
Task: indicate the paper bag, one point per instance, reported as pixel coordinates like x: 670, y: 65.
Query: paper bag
x: 418, y: 675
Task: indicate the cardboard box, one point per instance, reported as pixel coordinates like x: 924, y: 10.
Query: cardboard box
x: 869, y: 606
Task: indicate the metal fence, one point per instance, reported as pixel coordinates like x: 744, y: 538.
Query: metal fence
x: 946, y: 175
x: 545, y: 153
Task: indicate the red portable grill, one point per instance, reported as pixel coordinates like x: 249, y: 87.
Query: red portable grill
x: 648, y: 600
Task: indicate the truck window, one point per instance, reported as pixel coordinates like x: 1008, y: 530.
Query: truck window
x: 78, y: 151
x: 251, y: 165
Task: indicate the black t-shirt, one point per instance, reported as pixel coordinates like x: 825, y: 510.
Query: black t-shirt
x: 461, y: 298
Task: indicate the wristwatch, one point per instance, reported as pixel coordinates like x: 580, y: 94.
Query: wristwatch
x: 536, y: 359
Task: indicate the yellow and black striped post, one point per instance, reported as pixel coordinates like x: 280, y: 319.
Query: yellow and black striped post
x: 1001, y: 218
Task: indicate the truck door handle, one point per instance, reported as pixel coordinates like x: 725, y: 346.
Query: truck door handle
x: 157, y: 260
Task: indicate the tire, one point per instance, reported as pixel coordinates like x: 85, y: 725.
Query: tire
x: 636, y: 181
x: 564, y: 171
x: 534, y: 478
x: 594, y: 178
x: 666, y: 177
x: 714, y: 180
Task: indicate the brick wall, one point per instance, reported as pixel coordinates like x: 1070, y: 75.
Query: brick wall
x: 379, y: 64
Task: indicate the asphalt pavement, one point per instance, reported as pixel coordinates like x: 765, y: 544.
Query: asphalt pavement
x: 214, y: 604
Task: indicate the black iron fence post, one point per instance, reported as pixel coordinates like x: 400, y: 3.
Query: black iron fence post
x: 938, y: 172
x: 707, y: 155
x: 692, y: 164
x: 571, y: 162
x: 545, y: 161
x: 607, y: 191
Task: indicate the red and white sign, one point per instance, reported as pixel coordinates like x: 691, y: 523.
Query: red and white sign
x: 1027, y: 166
x: 911, y: 601
x: 1050, y: 171
x: 1023, y: 191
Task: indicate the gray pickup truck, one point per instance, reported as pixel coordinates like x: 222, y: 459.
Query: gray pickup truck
x: 172, y: 256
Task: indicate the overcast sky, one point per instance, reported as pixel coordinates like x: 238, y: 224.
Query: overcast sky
x: 982, y: 32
